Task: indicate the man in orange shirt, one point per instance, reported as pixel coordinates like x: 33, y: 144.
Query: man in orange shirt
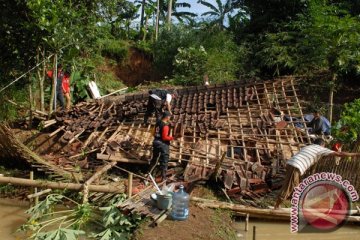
x: 161, y: 144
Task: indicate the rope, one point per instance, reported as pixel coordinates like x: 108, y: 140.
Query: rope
x: 32, y: 69
x: 25, y: 73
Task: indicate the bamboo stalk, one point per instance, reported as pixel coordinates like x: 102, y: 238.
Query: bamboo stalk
x: 94, y: 177
x: 59, y: 185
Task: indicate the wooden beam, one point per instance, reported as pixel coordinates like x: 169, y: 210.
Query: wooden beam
x: 120, y: 158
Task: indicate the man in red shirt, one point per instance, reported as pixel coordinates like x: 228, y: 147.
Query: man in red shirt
x: 59, y: 90
x: 161, y: 144
x: 66, y: 88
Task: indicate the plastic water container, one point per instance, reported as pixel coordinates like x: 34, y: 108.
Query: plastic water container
x: 180, y: 205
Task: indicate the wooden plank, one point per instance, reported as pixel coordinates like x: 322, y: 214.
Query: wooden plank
x: 116, y: 158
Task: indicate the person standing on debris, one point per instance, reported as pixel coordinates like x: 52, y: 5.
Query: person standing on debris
x: 66, y: 88
x: 317, y: 124
x: 59, y: 89
x: 302, y: 161
x: 158, y: 98
x: 161, y: 144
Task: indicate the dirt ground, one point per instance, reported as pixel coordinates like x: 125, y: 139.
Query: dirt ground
x: 203, y: 224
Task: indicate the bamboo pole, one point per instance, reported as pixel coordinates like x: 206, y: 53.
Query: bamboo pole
x: 130, y: 184
x: 279, y: 214
x: 247, y: 222
x: 59, y: 185
x: 38, y: 194
x: 94, y: 177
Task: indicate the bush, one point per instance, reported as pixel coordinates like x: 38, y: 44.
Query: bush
x: 166, y: 48
x: 190, y: 65
x: 223, y: 54
x: 347, y: 129
x: 115, y: 49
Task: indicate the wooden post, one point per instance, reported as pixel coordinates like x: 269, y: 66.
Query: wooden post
x: 254, y: 232
x: 247, y: 222
x: 130, y: 183
x: 35, y: 188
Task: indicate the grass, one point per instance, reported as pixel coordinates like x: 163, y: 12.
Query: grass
x: 223, y: 231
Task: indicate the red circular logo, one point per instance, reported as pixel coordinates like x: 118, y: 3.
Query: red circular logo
x: 325, y: 206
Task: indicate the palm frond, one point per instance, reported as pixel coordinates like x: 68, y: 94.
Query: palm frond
x: 184, y: 14
x: 211, y: 13
x: 209, y: 5
x: 182, y: 4
x: 220, y: 6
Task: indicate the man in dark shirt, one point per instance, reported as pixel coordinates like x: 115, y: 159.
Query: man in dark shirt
x: 161, y: 144
x: 158, y: 98
x: 316, y: 124
x: 59, y: 90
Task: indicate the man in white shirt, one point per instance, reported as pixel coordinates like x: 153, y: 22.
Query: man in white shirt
x: 158, y: 98
x: 302, y: 161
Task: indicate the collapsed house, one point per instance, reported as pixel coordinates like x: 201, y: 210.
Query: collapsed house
x: 231, y: 131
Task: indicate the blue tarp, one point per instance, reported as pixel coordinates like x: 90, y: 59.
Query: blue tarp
x: 326, y: 128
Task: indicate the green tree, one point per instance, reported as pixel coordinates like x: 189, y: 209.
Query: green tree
x: 347, y: 129
x: 219, y: 12
x: 330, y: 42
x: 190, y: 65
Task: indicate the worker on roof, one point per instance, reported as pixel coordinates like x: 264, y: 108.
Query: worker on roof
x: 161, y: 143
x: 301, y: 162
x: 157, y: 99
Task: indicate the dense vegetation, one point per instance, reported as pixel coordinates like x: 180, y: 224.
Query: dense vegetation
x: 234, y: 39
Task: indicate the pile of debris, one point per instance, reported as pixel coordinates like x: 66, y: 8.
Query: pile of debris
x: 231, y: 131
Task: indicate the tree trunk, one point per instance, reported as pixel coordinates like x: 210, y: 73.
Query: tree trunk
x: 142, y: 16
x: 169, y: 14
x: 30, y: 105
x: 53, y: 89
x: 41, y: 72
x: 331, y: 97
x: 157, y: 19
x: 146, y: 27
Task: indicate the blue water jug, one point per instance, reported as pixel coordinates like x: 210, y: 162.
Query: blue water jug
x: 180, y: 206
